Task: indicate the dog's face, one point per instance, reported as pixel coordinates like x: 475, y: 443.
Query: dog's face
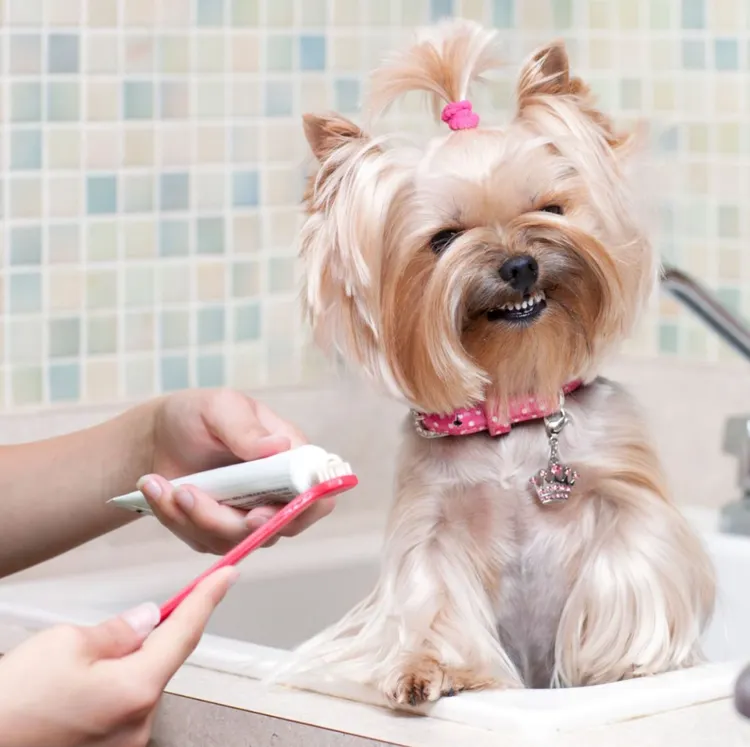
x: 496, y: 263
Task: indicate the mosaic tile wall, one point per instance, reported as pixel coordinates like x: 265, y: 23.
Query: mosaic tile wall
x: 151, y: 166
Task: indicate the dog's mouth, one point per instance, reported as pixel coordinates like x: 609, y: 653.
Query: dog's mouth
x: 521, y: 311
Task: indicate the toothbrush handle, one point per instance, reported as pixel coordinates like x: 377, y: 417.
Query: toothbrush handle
x: 261, y: 535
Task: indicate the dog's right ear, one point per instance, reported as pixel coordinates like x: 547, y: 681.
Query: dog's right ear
x: 328, y: 133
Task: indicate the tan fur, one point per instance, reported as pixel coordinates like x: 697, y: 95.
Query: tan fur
x: 481, y: 585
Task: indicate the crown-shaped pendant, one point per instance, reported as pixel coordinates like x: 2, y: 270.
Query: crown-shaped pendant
x: 554, y: 483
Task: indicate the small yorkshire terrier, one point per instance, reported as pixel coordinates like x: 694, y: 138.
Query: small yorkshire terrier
x: 483, y: 279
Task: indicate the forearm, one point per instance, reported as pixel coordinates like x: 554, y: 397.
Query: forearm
x: 53, y: 493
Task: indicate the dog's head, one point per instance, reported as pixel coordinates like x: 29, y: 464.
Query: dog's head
x: 492, y: 262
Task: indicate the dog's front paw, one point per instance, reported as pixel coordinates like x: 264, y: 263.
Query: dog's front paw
x: 423, y: 679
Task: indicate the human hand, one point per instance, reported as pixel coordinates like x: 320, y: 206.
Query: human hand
x: 196, y: 430
x: 99, y: 686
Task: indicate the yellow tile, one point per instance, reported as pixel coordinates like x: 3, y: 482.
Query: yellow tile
x: 139, y: 378
x: 64, y: 12
x: 730, y: 264
x: 535, y: 14
x: 247, y: 367
x: 245, y: 99
x: 283, y: 227
x: 139, y: 239
x: 208, y: 53
x: 346, y: 53
x: 698, y: 178
x: 284, y: 142
x: 600, y: 54
x: 663, y: 54
x: 138, y: 147
x: 413, y: 13
x: 600, y: 14
x: 314, y: 96
x: 476, y: 10
x: 63, y: 197
x: 176, y: 146
x: 247, y: 234
x: 211, y: 281
x: 245, y: 53
x: 210, y: 144
x: 102, y: 381
x: 728, y: 137
x: 282, y: 187
x: 664, y: 95
x: 722, y: 15
x: 63, y: 149
x: 139, y: 12
x: 174, y: 13
x: 26, y: 197
x: 65, y: 289
x: 628, y: 12
x: 346, y: 13
x: 102, y: 101
x: 101, y: 13
x: 727, y: 94
x: 698, y: 138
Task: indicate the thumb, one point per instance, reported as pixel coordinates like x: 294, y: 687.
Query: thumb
x: 120, y: 636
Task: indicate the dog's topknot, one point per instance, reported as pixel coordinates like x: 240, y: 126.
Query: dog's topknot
x: 443, y: 63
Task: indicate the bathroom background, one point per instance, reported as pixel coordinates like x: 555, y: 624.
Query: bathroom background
x: 151, y: 167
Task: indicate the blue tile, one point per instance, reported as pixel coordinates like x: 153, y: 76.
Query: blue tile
x: 210, y: 325
x: 26, y: 102
x: 25, y: 293
x: 693, y: 55
x: 279, y: 95
x: 174, y: 192
x: 503, y: 13
x: 312, y: 52
x: 245, y: 191
x: 62, y: 53
x: 174, y: 238
x: 26, y: 149
x: 731, y: 298
x: 26, y: 245
x: 346, y: 95
x: 726, y: 54
x: 62, y: 102
x: 209, y: 234
x: 669, y: 140
x: 210, y: 12
x: 247, y: 323
x: 65, y: 337
x: 101, y: 195
x: 64, y: 382
x: 174, y: 373
x: 441, y: 9
x: 138, y: 100
x: 211, y: 370
x: 693, y: 14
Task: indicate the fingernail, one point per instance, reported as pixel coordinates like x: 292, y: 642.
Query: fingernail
x: 150, y: 488
x: 184, y: 499
x: 143, y: 619
x: 257, y: 521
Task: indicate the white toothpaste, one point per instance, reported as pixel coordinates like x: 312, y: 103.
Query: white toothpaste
x: 276, y: 479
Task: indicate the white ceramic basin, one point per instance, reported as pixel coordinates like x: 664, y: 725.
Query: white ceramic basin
x: 288, y: 593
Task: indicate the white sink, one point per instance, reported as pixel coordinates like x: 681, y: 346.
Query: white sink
x: 288, y: 593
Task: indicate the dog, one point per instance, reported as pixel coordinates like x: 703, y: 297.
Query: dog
x: 483, y: 278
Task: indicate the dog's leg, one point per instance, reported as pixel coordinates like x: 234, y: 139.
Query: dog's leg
x: 428, y: 629
x: 643, y: 588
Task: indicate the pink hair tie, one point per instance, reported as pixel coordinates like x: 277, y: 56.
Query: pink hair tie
x: 459, y: 116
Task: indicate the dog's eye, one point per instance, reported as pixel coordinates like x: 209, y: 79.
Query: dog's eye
x: 555, y: 209
x: 442, y: 239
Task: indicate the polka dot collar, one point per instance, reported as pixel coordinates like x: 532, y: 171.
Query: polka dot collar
x: 470, y: 420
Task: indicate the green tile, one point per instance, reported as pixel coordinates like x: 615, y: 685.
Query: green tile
x: 101, y: 244
x: 731, y: 298
x: 630, y: 94
x: 562, y: 14
x: 65, y: 337
x: 660, y: 14
x: 668, y: 338
x: 245, y: 12
x: 247, y: 322
x: 729, y: 221
x: 101, y: 289
x: 64, y: 382
x: 174, y: 373
x: 25, y: 340
x: 25, y: 292
x: 279, y: 53
x: 139, y: 286
x: 26, y: 385
x: 211, y: 370
x: 280, y: 13
x: 26, y: 245
x: 210, y: 235
x: 245, y: 279
x: 281, y: 277
x: 210, y: 325
x: 101, y: 335
x: 175, y: 329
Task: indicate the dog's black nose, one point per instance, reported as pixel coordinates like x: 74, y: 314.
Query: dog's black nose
x: 521, y: 272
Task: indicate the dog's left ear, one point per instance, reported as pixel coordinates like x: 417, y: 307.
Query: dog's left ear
x: 325, y: 134
x: 547, y: 73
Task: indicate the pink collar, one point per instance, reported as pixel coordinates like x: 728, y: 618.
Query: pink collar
x: 469, y: 420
